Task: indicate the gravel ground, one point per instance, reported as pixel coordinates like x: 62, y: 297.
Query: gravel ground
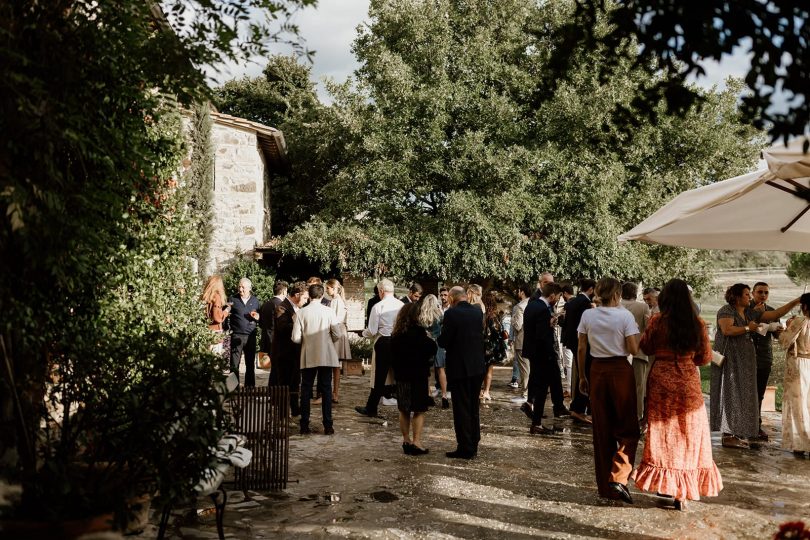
x: 358, y: 484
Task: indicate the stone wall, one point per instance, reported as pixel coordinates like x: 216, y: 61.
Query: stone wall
x: 239, y: 194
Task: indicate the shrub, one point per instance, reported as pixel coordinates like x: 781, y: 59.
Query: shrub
x: 262, y: 279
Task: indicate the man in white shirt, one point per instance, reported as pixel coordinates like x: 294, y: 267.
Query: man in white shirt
x: 380, y: 325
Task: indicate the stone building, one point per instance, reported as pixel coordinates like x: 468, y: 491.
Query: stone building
x: 245, y: 155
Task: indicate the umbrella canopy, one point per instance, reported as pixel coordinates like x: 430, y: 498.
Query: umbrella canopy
x: 764, y: 210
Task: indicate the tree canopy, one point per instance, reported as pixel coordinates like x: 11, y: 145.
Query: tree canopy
x: 677, y: 38
x: 95, y: 242
x: 453, y: 167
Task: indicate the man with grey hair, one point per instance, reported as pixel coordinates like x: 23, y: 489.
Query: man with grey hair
x: 650, y: 296
x: 463, y: 338
x: 380, y: 325
x: 242, y: 322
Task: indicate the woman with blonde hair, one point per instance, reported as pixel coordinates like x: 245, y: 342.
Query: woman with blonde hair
x: 796, y: 401
x: 612, y: 334
x: 474, y: 296
x: 338, y: 303
x: 430, y: 318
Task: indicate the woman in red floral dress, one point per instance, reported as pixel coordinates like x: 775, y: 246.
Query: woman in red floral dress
x: 677, y: 458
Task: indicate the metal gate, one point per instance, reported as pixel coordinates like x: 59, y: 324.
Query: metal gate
x: 261, y: 415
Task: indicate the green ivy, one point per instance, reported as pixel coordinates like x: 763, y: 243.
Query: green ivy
x: 261, y: 278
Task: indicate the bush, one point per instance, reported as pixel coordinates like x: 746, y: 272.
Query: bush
x: 261, y: 278
x: 362, y: 348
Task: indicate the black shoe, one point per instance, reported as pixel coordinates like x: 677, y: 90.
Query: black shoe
x: 305, y: 430
x: 621, y: 491
x: 407, y: 448
x: 431, y: 402
x: 366, y: 412
x: 416, y: 451
x: 445, y: 403
x: 527, y: 410
x: 329, y: 430
x: 561, y: 413
x: 539, y: 429
x: 457, y: 454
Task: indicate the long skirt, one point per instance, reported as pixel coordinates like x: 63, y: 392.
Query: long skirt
x: 734, y: 404
x: 677, y: 456
x: 796, y: 405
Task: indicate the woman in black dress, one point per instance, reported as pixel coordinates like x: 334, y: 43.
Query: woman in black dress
x: 413, y: 351
x: 494, y: 342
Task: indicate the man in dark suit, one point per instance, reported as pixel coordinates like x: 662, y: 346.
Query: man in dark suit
x: 463, y: 338
x: 574, y: 309
x: 544, y: 374
x: 414, y: 294
x: 285, y: 354
x: 242, y: 320
x: 267, y: 316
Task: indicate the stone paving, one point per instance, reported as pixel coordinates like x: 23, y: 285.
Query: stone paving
x: 359, y: 484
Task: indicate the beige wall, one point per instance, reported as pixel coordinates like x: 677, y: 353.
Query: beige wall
x: 239, y: 194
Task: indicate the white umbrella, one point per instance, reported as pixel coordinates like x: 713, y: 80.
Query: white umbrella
x: 764, y: 210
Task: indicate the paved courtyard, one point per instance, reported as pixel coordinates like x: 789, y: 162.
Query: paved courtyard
x: 359, y: 484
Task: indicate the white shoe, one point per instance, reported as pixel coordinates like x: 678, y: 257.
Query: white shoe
x: 389, y: 402
x: 435, y: 392
x: 519, y: 399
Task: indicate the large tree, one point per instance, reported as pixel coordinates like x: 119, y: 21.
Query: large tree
x: 461, y: 169
x: 680, y: 38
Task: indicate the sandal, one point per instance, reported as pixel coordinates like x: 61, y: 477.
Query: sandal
x: 730, y: 441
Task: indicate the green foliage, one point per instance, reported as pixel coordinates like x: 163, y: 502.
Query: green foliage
x: 200, y: 182
x: 678, y: 41
x: 798, y: 269
x: 285, y: 98
x: 453, y: 165
x: 730, y: 260
x: 108, y: 389
x: 260, y: 277
x: 361, y: 348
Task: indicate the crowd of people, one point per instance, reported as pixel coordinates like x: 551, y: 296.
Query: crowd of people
x: 628, y: 367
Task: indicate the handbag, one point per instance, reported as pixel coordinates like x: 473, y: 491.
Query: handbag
x: 717, y: 358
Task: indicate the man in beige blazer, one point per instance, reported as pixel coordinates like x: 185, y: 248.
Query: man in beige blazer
x: 641, y: 365
x: 523, y: 294
x: 316, y: 328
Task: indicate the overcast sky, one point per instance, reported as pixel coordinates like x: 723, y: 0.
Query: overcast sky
x: 330, y: 29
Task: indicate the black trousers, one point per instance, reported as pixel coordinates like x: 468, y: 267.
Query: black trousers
x: 579, y: 402
x: 287, y: 372
x: 324, y: 386
x: 382, y: 363
x: 763, y: 373
x: 545, y: 375
x: 466, y: 418
x: 246, y: 343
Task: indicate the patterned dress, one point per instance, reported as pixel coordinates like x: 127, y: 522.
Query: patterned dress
x: 677, y: 457
x: 494, y: 344
x: 796, y: 399
x: 734, y: 405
